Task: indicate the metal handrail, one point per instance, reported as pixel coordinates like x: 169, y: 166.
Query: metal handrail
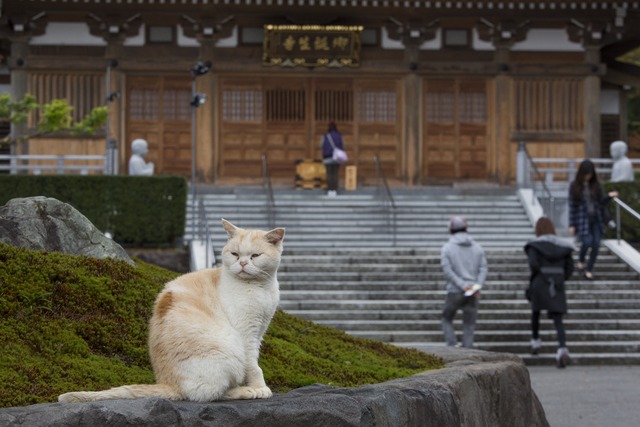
x: 382, y: 177
x: 388, y: 198
x: 620, y: 203
x: 551, y: 210
x: 57, y: 163
x: 204, y: 233
x: 268, y: 188
x: 537, y: 172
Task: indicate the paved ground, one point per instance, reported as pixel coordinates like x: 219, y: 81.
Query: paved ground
x: 589, y: 396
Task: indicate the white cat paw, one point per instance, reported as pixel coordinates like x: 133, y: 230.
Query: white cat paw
x: 248, y: 393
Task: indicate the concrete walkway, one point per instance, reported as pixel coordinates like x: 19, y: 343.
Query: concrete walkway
x: 588, y: 396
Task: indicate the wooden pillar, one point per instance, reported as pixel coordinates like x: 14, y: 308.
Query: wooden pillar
x: 411, y: 153
x: 502, y: 118
x: 19, y: 84
x: 592, y: 104
x: 206, y: 127
x: 115, y: 103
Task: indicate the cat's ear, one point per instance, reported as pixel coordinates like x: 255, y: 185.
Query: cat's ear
x: 275, y: 236
x: 229, y: 228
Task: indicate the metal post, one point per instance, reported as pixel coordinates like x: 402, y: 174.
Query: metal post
x: 521, y: 166
x: 618, y: 225
x: 107, y: 93
x: 193, y: 139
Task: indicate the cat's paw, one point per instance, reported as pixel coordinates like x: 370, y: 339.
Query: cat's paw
x: 248, y: 393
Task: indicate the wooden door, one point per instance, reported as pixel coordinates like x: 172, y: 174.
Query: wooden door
x: 159, y: 110
x: 454, y: 143
x: 286, y: 117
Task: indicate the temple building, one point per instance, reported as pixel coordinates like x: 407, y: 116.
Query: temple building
x: 439, y: 91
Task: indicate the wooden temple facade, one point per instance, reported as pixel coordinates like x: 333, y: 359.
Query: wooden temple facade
x: 440, y: 91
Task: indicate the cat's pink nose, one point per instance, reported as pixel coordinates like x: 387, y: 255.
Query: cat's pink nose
x: 243, y: 263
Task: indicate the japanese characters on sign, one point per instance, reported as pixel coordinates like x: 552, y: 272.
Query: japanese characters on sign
x: 311, y: 45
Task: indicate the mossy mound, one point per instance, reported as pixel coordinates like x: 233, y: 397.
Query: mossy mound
x: 76, y: 323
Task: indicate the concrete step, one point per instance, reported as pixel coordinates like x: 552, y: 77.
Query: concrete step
x: 494, y: 341
x: 524, y: 313
x: 492, y: 296
x: 376, y: 305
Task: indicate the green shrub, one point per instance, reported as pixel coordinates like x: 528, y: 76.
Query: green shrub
x: 629, y: 193
x: 134, y: 209
x: 75, y: 323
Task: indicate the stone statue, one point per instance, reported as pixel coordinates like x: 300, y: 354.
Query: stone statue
x: 137, y: 165
x: 622, y: 169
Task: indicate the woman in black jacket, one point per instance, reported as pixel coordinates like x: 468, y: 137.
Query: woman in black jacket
x: 551, y: 263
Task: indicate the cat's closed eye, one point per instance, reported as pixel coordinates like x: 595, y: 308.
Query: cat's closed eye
x: 235, y: 254
x: 253, y: 256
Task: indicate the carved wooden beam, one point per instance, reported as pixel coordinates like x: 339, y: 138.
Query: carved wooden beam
x: 23, y: 25
x: 207, y: 28
x: 503, y: 32
x: 597, y: 32
x: 114, y: 27
x: 412, y: 32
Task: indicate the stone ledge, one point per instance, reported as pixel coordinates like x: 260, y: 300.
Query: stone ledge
x: 476, y: 388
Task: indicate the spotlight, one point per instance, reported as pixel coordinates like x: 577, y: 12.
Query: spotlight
x: 200, y: 68
x: 198, y: 100
x: 113, y: 96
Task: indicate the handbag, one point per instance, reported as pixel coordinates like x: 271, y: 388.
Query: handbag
x: 339, y: 156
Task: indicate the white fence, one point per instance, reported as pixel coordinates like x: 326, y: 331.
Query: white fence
x: 59, y: 164
x: 558, y: 170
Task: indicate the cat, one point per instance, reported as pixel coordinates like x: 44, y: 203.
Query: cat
x: 207, y: 326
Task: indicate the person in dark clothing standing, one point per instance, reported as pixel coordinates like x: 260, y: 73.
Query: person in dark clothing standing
x: 551, y: 263
x: 331, y: 139
x: 587, y: 214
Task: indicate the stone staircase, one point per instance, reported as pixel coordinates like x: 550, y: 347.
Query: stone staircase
x: 363, y: 220
x: 342, y: 267
x: 396, y: 296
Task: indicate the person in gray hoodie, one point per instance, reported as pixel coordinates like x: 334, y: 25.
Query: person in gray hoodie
x: 464, y: 265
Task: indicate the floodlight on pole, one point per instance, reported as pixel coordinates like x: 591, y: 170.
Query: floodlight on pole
x: 197, y: 99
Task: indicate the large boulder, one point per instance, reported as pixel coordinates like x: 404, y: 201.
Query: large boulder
x: 476, y: 388
x: 44, y: 223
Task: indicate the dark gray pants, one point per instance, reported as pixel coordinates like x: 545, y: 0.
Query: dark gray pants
x: 469, y: 306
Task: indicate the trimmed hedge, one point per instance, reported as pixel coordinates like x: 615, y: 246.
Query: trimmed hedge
x: 629, y: 193
x: 134, y: 209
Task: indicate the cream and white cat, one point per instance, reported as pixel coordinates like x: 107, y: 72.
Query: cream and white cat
x: 207, y: 326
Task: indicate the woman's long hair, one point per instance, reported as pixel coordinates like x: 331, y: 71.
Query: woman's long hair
x: 577, y: 187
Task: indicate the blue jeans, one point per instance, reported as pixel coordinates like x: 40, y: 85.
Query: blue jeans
x: 591, y: 241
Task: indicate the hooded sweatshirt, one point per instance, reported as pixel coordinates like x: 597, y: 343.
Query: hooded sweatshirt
x: 463, y: 262
x: 553, y: 254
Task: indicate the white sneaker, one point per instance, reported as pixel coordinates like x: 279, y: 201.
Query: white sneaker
x: 562, y: 357
x: 535, y: 346
x: 332, y: 193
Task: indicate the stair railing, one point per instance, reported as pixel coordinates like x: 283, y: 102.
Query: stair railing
x: 388, y: 202
x: 204, y: 234
x: 270, y: 206
x: 621, y: 204
x: 531, y: 165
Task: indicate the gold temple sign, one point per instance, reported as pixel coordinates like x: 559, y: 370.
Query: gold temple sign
x: 311, y: 45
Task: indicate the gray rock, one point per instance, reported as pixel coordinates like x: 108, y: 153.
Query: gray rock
x: 44, y: 223
x: 480, y: 389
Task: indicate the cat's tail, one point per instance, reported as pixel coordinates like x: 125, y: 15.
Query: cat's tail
x: 124, y: 392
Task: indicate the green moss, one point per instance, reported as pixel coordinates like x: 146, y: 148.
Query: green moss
x: 77, y: 323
